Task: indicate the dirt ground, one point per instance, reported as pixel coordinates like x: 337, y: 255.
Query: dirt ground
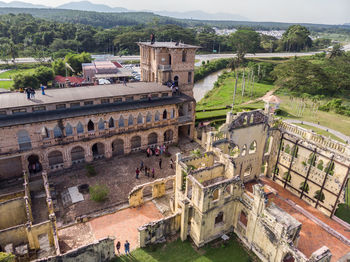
x: 118, y: 174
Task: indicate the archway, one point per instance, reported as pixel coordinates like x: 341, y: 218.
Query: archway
x: 98, y: 150
x: 165, y: 114
x: 168, y: 135
x: 55, y: 158
x: 91, y: 126
x: 135, y: 142
x: 77, y: 154
x: 118, y: 147
x: 152, y: 139
x: 176, y: 81
x: 34, y: 165
x: 288, y: 258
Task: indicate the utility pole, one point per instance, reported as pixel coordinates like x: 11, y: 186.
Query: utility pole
x: 243, y: 83
x: 234, y: 92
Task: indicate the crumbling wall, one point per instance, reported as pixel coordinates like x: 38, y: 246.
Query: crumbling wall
x: 12, y: 213
x: 136, y: 197
x: 102, y: 250
x: 158, y: 231
x: 16, y: 235
x: 204, y: 160
x: 209, y: 173
x: 12, y: 195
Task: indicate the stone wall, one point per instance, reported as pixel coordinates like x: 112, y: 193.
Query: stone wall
x: 158, y: 231
x: 13, y: 213
x: 102, y: 250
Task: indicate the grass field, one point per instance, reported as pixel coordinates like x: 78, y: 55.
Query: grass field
x: 10, y: 74
x: 6, y: 84
x: 184, y: 252
x: 322, y: 132
x: 222, y: 95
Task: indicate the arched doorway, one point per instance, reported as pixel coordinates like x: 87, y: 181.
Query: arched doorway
x: 176, y: 81
x: 118, y: 147
x: 98, y: 150
x: 135, y: 142
x: 55, y: 159
x: 77, y: 155
x: 34, y: 165
x: 152, y: 139
x: 168, y: 135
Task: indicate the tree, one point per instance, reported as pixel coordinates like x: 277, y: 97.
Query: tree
x: 296, y: 38
x: 58, y: 67
x: 75, y: 60
x: 337, y: 51
x: 25, y: 80
x: 6, y: 257
x: 44, y: 74
x: 245, y: 41
x: 98, y: 193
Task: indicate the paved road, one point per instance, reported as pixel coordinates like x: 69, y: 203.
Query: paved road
x: 200, y: 57
x: 332, y: 131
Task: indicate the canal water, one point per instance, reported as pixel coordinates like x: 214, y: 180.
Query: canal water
x: 201, y: 87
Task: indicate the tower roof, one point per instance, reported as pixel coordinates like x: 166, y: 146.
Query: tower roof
x: 168, y: 45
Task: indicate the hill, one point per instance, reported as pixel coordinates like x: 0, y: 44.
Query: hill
x: 88, y: 6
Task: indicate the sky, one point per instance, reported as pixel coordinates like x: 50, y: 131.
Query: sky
x: 294, y: 11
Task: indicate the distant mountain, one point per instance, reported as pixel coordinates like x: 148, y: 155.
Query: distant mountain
x: 200, y: 15
x: 19, y: 4
x: 88, y: 6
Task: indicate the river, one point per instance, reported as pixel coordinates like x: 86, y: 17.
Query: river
x: 201, y: 87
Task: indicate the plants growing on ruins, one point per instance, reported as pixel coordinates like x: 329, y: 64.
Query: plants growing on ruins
x: 98, y: 193
x: 304, y: 187
x: 319, y: 195
x: 7, y: 257
x: 312, y: 159
x: 320, y: 165
x: 184, y: 178
x: 196, y: 153
x: 90, y: 170
x: 287, y: 176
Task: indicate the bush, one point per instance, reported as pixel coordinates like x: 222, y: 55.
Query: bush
x: 98, y: 193
x: 6, y: 257
x: 90, y: 170
x: 211, y: 67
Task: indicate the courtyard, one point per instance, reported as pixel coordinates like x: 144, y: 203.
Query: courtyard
x: 118, y: 175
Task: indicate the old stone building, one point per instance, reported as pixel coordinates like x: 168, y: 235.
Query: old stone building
x: 237, y: 186
x: 65, y: 127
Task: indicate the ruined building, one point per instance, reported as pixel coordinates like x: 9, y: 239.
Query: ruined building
x: 66, y: 127
x: 261, y: 179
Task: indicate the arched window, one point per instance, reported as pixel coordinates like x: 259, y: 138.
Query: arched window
x: 304, y: 187
x: 55, y: 158
x: 57, y: 132
x: 91, y: 126
x: 247, y: 171
x: 101, y: 124
x: 45, y: 133
x: 244, y: 150
x: 165, y: 114
x: 233, y: 151
x: 252, y: 148
x: 121, y: 121
x: 111, y: 123
x: 320, y: 165
x: 130, y: 120
x: 184, y: 56
x: 139, y: 119
x: 172, y: 113
x: 80, y: 128
x: 312, y: 159
x: 219, y: 218
x: 135, y: 142
x: 243, y: 218
x: 149, y: 117
x: 157, y: 116
x: 69, y: 130
x: 216, y: 194
x: 152, y: 139
x: 24, y: 141
x: 168, y: 135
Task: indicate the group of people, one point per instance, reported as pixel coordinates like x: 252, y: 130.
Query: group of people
x: 30, y: 92
x: 156, y: 151
x: 126, y: 247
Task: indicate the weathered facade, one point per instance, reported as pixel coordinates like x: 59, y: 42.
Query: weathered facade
x: 65, y: 127
x: 217, y: 192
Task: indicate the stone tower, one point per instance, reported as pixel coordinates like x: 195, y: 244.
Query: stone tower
x: 168, y: 62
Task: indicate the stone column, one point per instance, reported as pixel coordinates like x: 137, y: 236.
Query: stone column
x: 67, y: 160
x: 108, y: 149
x: 88, y: 154
x: 184, y: 219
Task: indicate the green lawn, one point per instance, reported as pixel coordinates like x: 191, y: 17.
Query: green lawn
x: 6, y: 84
x: 322, y: 132
x: 184, y: 252
x: 329, y: 119
x: 222, y: 95
x: 10, y: 74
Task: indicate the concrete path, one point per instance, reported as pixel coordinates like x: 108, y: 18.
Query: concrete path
x: 332, y: 131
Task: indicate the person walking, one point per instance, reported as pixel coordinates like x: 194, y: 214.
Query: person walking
x: 146, y: 171
x: 42, y: 89
x: 171, y: 163
x: 32, y: 93
x: 152, y: 172
x: 137, y: 173
x: 127, y: 247
x: 148, y: 151
x: 141, y: 166
x: 160, y: 163
x: 28, y: 93
x: 118, y: 247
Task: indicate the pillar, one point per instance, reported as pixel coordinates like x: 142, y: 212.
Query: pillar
x: 33, y: 241
x: 88, y: 154
x: 108, y: 150
x: 67, y: 160
x: 184, y: 219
